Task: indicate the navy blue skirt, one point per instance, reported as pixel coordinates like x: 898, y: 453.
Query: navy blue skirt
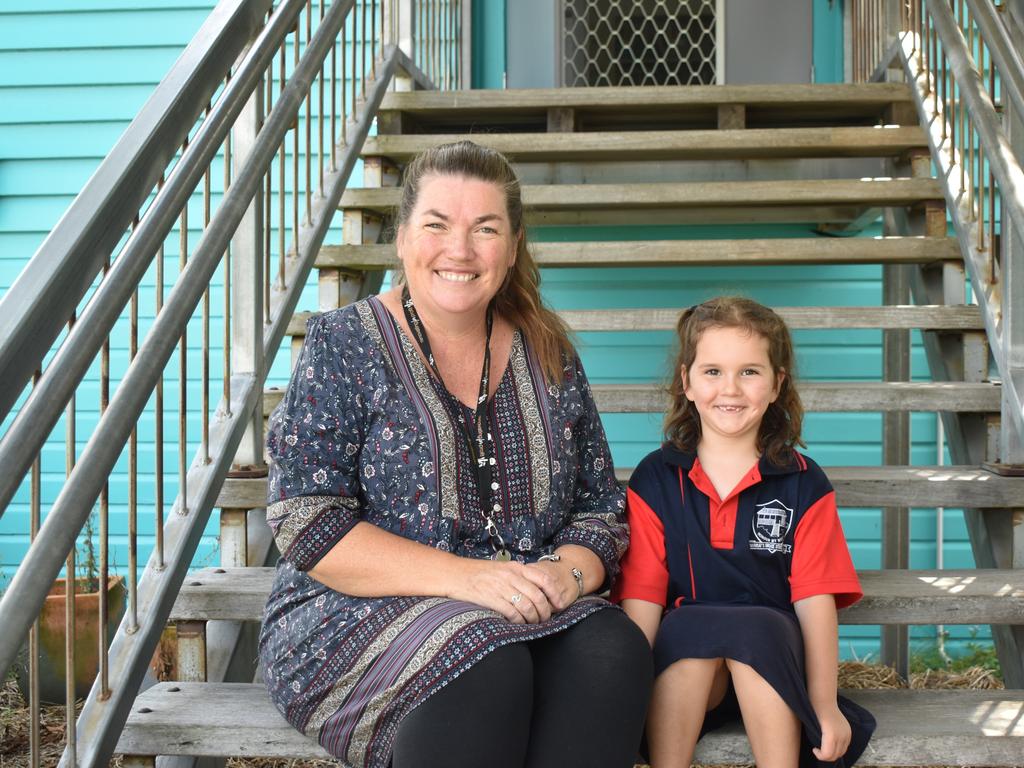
x: 769, y: 640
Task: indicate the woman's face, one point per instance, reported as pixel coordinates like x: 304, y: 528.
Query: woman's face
x: 457, y: 245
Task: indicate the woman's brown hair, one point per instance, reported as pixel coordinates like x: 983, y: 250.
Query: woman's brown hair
x: 518, y: 300
x: 780, y: 428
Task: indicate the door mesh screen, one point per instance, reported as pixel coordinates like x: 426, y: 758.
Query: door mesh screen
x: 638, y: 42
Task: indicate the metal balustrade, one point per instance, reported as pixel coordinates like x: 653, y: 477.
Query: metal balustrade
x: 214, y: 203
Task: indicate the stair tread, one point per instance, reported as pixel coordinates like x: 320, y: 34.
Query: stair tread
x: 915, y: 486
x: 890, y: 597
x: 542, y: 198
x: 857, y: 141
x: 915, y: 727
x: 934, y: 317
x: 817, y: 396
x: 635, y: 253
x: 650, y: 106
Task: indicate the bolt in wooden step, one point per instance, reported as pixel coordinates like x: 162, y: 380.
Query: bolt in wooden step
x: 694, y: 253
x: 890, y: 597
x: 920, y: 486
x: 936, y: 317
x: 764, y: 106
x: 766, y: 143
x: 815, y: 200
x: 966, y: 728
x: 817, y: 396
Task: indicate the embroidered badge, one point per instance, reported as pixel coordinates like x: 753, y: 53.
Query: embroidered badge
x: 770, y: 525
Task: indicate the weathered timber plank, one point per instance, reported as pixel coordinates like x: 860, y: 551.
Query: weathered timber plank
x: 633, y: 253
x: 817, y: 396
x: 763, y: 143
x: 969, y: 728
x: 814, y: 193
x: 890, y: 597
x: 611, y: 99
x: 935, y: 317
x: 922, y: 486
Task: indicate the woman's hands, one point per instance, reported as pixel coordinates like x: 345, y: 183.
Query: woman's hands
x: 508, y: 588
x: 835, y: 735
x: 523, y: 594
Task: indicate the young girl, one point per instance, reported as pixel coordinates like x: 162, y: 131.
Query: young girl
x: 737, y: 561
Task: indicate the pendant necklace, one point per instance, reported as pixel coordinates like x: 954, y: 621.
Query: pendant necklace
x: 478, y: 439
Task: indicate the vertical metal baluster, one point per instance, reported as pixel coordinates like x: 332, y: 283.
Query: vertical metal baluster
x: 104, y: 610
x: 158, y: 443
x: 935, y: 73
x: 460, y: 64
x: 342, y: 86
x: 969, y: 139
x: 69, y: 592
x: 945, y: 97
x: 334, y: 102
x: 373, y: 38
x: 182, y: 371
x: 993, y: 251
x: 320, y: 119
x: 362, y: 51
x: 924, y: 48
x: 268, y: 200
x: 295, y: 149
x: 133, y: 479
x: 35, y: 504
x: 206, y: 326
x: 281, y: 192
x: 309, y: 124
x: 383, y: 33
x: 227, y: 289
x: 355, y: 44
x: 449, y: 47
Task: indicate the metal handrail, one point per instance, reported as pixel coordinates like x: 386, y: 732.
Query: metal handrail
x: 1005, y: 54
x: 45, y: 405
x: 1005, y: 169
x: 45, y: 294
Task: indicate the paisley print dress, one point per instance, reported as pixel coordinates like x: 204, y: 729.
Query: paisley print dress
x: 365, y: 433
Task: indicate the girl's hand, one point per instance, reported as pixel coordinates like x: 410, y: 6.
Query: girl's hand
x: 556, y: 581
x: 835, y: 735
x: 502, y: 587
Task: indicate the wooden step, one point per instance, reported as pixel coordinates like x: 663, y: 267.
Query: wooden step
x: 763, y: 143
x: 694, y: 253
x: 935, y: 317
x: 817, y: 397
x: 966, y: 728
x: 921, y: 486
x: 890, y: 597
x: 675, y: 107
x: 814, y: 200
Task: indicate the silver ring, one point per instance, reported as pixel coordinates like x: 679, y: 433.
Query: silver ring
x: 515, y: 598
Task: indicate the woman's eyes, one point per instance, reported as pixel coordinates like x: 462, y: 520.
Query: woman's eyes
x: 744, y: 372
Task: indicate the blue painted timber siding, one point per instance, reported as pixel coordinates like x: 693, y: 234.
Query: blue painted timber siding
x: 74, y: 72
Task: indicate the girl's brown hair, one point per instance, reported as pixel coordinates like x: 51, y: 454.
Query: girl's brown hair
x: 779, y: 432
x: 518, y: 300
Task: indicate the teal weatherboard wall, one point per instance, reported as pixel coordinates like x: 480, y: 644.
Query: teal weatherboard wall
x: 74, y: 72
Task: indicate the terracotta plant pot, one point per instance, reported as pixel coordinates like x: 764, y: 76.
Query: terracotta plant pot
x: 52, y: 666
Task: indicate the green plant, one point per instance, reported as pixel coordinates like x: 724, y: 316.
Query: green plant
x: 977, y: 654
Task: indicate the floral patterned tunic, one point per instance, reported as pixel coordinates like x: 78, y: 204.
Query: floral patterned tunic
x: 365, y: 433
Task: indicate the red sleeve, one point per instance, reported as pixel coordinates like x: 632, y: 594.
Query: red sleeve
x: 821, y: 560
x: 644, y: 567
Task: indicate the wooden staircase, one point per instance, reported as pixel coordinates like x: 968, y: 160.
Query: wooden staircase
x: 709, y: 155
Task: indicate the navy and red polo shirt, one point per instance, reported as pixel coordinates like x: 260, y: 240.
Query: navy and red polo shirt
x: 774, y: 540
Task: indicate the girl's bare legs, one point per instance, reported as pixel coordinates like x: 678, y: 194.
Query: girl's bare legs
x: 772, y: 728
x: 683, y: 693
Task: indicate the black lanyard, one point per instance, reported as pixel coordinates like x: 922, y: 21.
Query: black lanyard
x: 477, y: 439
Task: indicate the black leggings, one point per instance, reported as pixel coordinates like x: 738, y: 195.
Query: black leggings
x: 577, y: 698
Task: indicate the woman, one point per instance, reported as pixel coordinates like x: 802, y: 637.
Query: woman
x: 444, y: 501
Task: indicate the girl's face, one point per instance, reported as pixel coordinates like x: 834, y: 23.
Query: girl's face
x: 457, y: 245
x: 731, y: 382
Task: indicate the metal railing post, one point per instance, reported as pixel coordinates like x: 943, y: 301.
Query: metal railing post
x: 247, y: 278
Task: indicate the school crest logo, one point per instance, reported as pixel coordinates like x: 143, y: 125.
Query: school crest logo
x: 771, y: 523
